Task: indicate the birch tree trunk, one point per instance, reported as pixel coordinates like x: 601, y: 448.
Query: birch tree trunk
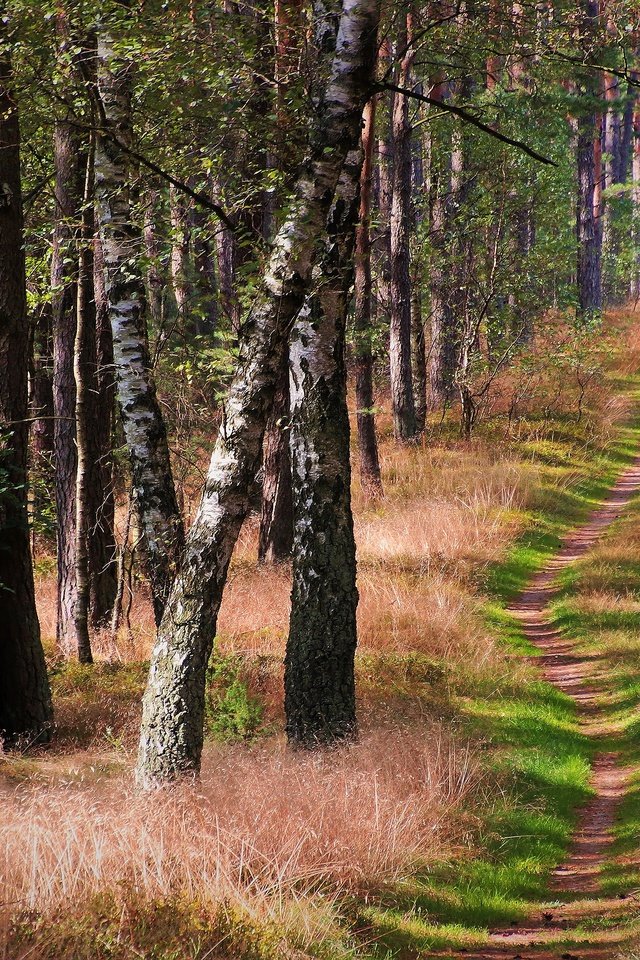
x: 402, y: 399
x: 84, y: 354
x: 173, y: 706
x: 154, y: 495
x: 25, y: 700
x: 320, y: 702
x: 367, y: 440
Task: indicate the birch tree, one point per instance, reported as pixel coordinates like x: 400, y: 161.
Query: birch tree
x: 173, y: 706
x: 144, y: 429
x: 320, y: 700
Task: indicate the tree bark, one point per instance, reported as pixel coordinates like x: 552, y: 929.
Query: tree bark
x: 173, y: 706
x: 84, y: 354
x: 589, y: 234
x: 64, y: 287
x: 102, y: 544
x: 153, y: 490
x: 180, y: 258
x: 25, y: 700
x: 370, y: 475
x: 402, y: 399
x: 276, y: 518
x: 444, y: 332
x: 319, y: 681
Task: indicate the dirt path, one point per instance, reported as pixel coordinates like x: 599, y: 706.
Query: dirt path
x: 574, y: 885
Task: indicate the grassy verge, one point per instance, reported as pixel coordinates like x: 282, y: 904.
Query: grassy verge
x: 533, y: 750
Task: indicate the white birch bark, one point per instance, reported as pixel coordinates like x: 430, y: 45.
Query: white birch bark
x: 173, y: 707
x: 153, y: 490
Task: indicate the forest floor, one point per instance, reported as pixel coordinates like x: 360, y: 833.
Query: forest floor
x: 492, y: 805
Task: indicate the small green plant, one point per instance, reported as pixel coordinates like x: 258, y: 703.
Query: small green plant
x: 231, y: 713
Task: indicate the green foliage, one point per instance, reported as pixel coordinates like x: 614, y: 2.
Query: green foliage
x: 231, y: 712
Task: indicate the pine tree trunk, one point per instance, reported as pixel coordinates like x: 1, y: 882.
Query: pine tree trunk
x: 276, y: 519
x: 205, y: 276
x: 154, y: 281
x: 319, y: 666
x: 173, y: 706
x: 64, y: 300
x: 635, y: 198
x: 589, y: 234
x: 25, y: 700
x: 102, y: 544
x: 180, y: 258
x: 154, y: 495
x: 367, y: 440
x: 402, y: 399
x: 444, y: 334
x: 42, y: 387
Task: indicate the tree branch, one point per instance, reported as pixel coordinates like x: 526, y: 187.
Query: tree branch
x: 468, y: 118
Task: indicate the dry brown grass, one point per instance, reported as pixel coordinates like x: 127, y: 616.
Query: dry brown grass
x: 262, y: 823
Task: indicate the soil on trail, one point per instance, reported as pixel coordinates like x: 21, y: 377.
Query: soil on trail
x: 550, y: 932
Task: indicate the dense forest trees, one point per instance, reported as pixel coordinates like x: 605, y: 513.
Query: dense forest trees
x: 274, y: 208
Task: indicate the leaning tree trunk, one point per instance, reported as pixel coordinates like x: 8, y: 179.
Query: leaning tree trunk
x: 320, y: 702
x: 173, y: 706
x: 154, y: 495
x: 25, y: 700
x: 402, y: 399
x: 370, y: 475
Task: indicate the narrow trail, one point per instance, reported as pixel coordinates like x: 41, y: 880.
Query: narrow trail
x: 574, y: 886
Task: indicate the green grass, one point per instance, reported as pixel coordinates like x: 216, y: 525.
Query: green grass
x: 533, y: 751
x: 613, y: 635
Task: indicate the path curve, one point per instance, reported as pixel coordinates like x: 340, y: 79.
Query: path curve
x: 578, y: 677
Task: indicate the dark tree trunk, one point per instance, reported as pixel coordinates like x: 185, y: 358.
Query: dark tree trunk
x: 154, y: 281
x: 153, y: 490
x: 206, y: 282
x: 42, y: 387
x: 64, y: 296
x: 367, y: 440
x: 181, y: 259
x: 589, y: 233
x: 320, y: 702
x: 25, y: 699
x: 444, y: 335
x: 102, y: 545
x: 276, y: 520
x: 402, y: 399
x: 173, y: 707
x: 418, y: 358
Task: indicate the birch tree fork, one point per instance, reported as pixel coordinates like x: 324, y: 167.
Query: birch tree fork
x: 152, y: 481
x: 173, y: 706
